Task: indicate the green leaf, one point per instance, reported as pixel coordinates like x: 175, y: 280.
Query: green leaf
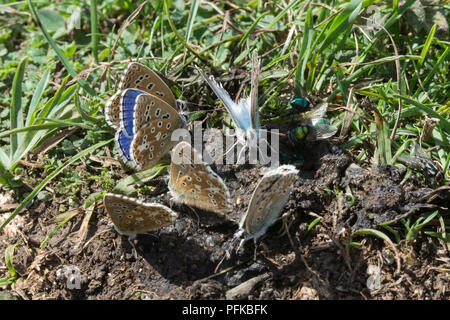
x: 373, y: 232
x: 51, y: 20
x: 444, y: 122
x: 37, y: 97
x: 125, y: 187
x: 9, y: 254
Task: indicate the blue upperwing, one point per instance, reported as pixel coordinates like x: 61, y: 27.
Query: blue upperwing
x: 123, y: 143
x: 128, y: 102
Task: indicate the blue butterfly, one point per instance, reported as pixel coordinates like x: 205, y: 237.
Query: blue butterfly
x: 144, y: 116
x: 245, y: 114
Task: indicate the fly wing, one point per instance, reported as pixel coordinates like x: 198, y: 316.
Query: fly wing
x: 317, y: 112
x: 320, y: 129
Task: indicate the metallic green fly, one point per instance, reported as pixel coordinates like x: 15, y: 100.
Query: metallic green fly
x: 312, y: 124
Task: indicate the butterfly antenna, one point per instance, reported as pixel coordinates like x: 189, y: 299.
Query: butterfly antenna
x: 226, y: 152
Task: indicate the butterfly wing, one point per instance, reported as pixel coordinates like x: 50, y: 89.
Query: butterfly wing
x: 152, y: 142
x: 193, y: 182
x: 140, y: 77
x: 268, y: 200
x: 112, y: 111
x: 131, y: 216
x: 147, y: 123
x: 149, y: 107
x: 127, y: 109
x: 239, y: 111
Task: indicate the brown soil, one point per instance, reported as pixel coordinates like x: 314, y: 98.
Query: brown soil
x: 180, y: 261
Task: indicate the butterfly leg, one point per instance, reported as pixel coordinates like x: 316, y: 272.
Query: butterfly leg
x: 254, y: 252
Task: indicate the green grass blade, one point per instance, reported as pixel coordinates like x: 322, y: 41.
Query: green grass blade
x: 9, y: 254
x: 58, y: 51
x: 46, y: 126
x: 37, y: 97
x: 342, y: 23
x: 16, y: 113
x: 444, y: 122
x: 304, y: 53
x: 249, y: 30
x: 94, y: 30
x: 283, y: 12
x: 433, y: 71
x: 50, y: 177
x: 124, y: 186
x: 426, y: 46
x: 191, y: 19
x: 313, y: 223
x: 177, y: 34
x: 53, y: 102
x: 50, y: 235
x: 373, y: 232
x: 4, y: 159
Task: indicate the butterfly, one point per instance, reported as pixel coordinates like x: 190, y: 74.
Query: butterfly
x: 144, y: 114
x: 245, y: 113
x: 146, y: 125
x: 267, y: 202
x: 138, y: 76
x: 131, y: 216
x: 194, y: 183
